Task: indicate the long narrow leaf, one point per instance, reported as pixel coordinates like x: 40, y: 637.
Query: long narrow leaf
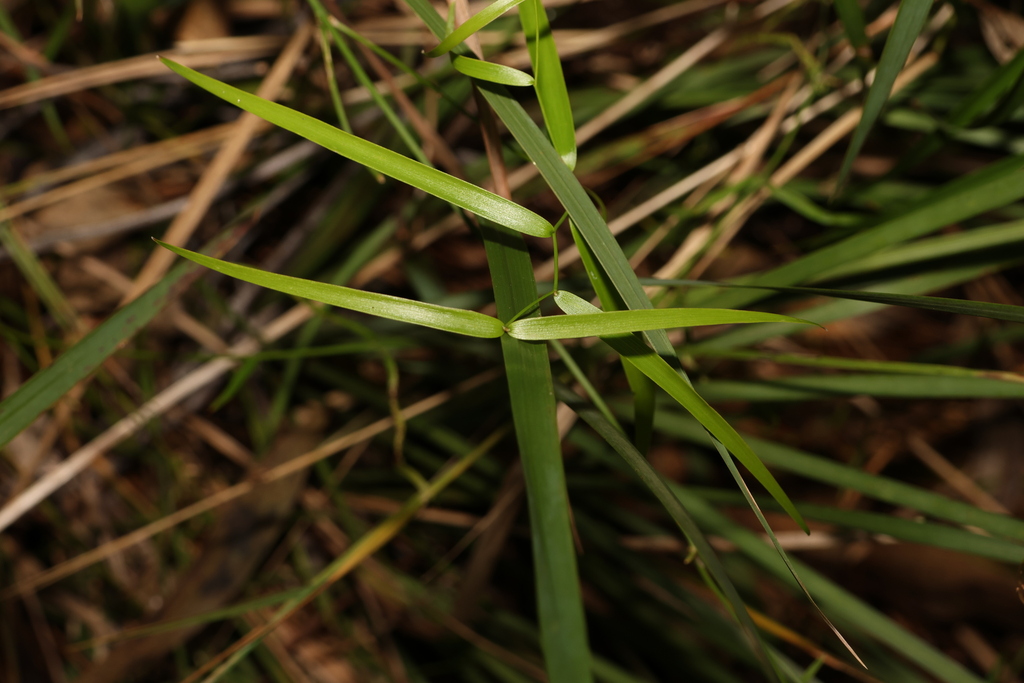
x: 559, y: 598
x: 842, y: 476
x: 623, y: 322
x: 639, y: 383
x: 995, y: 186
x: 552, y: 93
x: 449, y: 188
x: 981, y: 309
x: 853, y: 610
x: 677, y: 511
x: 909, y: 21
x: 472, y: 25
x: 40, y: 392
x: 634, y: 350
x: 469, y: 323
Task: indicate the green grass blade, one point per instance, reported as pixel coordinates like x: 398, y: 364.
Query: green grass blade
x: 852, y: 18
x: 812, y: 387
x: 43, y: 389
x: 995, y: 186
x: 677, y: 511
x: 957, y: 244
x: 552, y: 93
x: 845, y: 477
x: 752, y: 504
x: 968, y: 111
x: 853, y: 611
x: 578, y: 203
x: 559, y: 599
x: 639, y: 383
x: 469, y: 323
x: 491, y: 72
x: 845, y: 308
x: 909, y: 21
x: 911, y: 530
x: 802, y: 205
x: 37, y: 277
x: 981, y: 309
x: 623, y: 322
x: 472, y: 25
x: 862, y: 365
x: 633, y: 349
x: 449, y: 188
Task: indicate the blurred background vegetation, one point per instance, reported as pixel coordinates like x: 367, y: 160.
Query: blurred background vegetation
x: 139, y: 540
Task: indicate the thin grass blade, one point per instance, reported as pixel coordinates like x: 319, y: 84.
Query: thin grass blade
x: 472, y: 25
x: 865, y: 618
x: 633, y: 349
x: 449, y: 188
x: 909, y: 21
x: 44, y: 388
x: 677, y: 511
x: 981, y: 309
x: 639, y: 383
x: 994, y: 186
x: 552, y: 93
x: 469, y: 323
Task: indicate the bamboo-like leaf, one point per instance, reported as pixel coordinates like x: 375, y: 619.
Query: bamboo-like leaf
x: 606, y: 323
x: 472, y: 25
x: 552, y: 93
x: 43, y: 389
x: 491, y: 72
x: 449, y: 188
x: 909, y: 21
x: 634, y: 350
x: 469, y: 323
